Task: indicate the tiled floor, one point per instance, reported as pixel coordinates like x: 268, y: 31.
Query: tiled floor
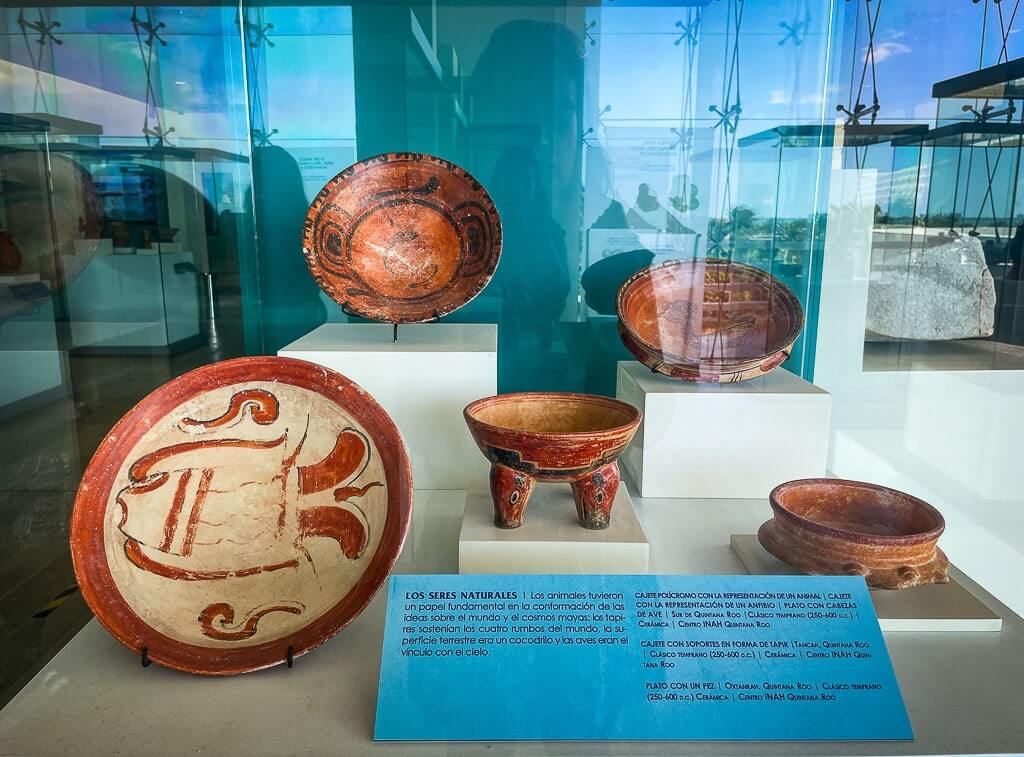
x: 43, y: 451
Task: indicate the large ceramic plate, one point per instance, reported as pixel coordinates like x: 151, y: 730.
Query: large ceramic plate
x: 708, y: 320
x: 241, y: 509
x: 402, y: 237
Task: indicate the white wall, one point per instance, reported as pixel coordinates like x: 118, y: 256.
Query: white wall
x: 950, y: 437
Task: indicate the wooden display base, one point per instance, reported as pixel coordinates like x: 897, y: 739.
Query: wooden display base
x: 935, y: 607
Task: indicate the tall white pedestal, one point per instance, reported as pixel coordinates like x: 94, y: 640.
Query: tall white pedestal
x: 551, y: 539
x: 723, y: 440
x: 423, y: 381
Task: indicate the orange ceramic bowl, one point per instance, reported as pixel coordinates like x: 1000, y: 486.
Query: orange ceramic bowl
x: 708, y: 320
x: 552, y: 436
x: 831, y: 526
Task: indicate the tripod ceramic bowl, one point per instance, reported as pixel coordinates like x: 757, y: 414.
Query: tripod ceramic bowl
x: 827, y: 526
x: 552, y: 436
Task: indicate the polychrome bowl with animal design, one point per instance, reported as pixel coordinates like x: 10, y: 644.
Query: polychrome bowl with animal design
x: 241, y: 514
x: 831, y: 526
x: 708, y: 320
x: 402, y: 237
x: 552, y: 436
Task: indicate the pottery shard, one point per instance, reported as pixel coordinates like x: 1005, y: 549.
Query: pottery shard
x: 938, y: 293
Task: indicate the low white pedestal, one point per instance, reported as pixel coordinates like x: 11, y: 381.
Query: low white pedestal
x: 551, y: 539
x: 133, y: 301
x: 734, y: 441
x: 935, y: 607
x: 423, y: 381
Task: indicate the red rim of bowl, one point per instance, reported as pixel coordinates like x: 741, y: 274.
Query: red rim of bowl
x: 577, y: 397
x: 728, y: 363
x: 859, y: 537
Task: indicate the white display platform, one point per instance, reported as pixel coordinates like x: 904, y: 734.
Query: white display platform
x: 423, y: 381
x: 551, y: 539
x: 94, y: 699
x: 936, y: 607
x: 133, y: 301
x: 35, y: 368
x: 715, y: 441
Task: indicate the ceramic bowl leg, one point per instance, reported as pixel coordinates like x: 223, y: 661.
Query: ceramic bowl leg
x: 594, y: 495
x: 510, y: 491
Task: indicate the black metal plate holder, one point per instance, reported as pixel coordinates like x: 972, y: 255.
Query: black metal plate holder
x: 394, y: 333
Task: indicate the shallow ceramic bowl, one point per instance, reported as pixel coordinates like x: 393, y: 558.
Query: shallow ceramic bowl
x: 708, y: 320
x: 552, y: 436
x: 402, y: 237
x: 826, y: 526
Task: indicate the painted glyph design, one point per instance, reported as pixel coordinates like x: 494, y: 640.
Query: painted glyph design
x: 402, y: 237
x: 245, y: 514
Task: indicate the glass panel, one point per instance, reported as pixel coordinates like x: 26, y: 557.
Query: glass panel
x: 918, y: 341
x: 157, y: 163
x: 124, y: 186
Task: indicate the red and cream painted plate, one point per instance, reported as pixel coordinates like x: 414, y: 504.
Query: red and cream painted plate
x: 241, y: 509
x: 402, y: 237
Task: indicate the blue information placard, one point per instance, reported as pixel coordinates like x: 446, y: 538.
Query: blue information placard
x: 488, y: 658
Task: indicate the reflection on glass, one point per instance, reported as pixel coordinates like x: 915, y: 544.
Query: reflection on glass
x: 123, y: 176
x: 944, y: 279
x: 156, y: 163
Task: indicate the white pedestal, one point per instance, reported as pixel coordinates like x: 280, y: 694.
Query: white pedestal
x: 734, y: 441
x: 551, y: 539
x: 423, y: 381
x: 935, y: 607
x: 133, y: 301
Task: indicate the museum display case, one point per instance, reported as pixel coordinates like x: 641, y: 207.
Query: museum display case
x: 127, y: 247
x: 949, y: 288
x: 557, y: 373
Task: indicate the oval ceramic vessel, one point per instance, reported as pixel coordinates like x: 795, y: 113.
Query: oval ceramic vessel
x: 828, y: 526
x: 708, y: 320
x: 241, y: 514
x: 552, y: 436
x: 402, y: 237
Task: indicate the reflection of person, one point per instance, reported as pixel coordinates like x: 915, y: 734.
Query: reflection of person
x: 600, y: 191
x: 526, y: 91
x: 533, y: 275
x: 609, y: 268
x: 648, y: 214
x: 644, y: 213
x: 602, y: 280
x: 291, y: 299
x: 606, y: 272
